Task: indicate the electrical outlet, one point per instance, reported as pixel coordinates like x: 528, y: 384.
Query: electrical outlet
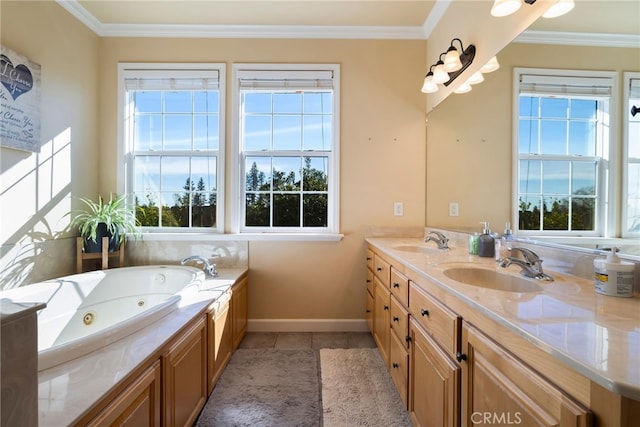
x: 398, y: 209
x: 453, y: 209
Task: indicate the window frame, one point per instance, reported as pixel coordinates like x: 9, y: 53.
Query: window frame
x: 125, y: 172
x: 607, y: 222
x: 626, y: 159
x: 331, y: 232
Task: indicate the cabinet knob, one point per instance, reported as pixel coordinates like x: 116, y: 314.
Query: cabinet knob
x: 368, y: 281
x: 424, y: 312
x: 386, y: 307
x: 368, y: 258
x: 396, y: 284
x: 461, y: 356
x: 395, y: 365
x: 396, y: 319
x: 368, y: 311
x: 379, y: 268
x: 407, y: 338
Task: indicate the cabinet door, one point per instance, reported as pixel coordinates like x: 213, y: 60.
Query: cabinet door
x: 369, y: 313
x: 185, y: 376
x: 498, y: 388
x: 239, y: 310
x: 399, y: 366
x: 434, y: 382
x: 220, y: 342
x: 137, y: 405
x: 381, y: 322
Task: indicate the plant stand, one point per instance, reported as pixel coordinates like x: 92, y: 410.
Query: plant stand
x: 102, y: 256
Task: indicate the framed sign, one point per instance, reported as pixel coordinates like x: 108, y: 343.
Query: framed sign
x: 19, y: 102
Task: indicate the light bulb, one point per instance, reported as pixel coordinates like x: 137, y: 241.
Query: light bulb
x: 505, y: 7
x: 490, y: 66
x: 429, y: 86
x: 476, y: 78
x: 452, y: 60
x: 559, y: 8
x: 439, y: 74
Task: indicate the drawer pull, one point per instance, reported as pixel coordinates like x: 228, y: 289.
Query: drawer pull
x: 368, y: 311
x: 424, y: 312
x: 368, y: 281
x: 396, y: 319
x: 461, y: 356
x: 368, y: 258
x: 379, y: 268
x: 386, y: 307
x: 407, y: 338
x: 395, y: 365
x: 396, y: 284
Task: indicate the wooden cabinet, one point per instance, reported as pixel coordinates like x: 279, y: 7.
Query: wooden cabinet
x: 434, y: 395
x: 137, y: 405
x: 239, y: 310
x: 399, y: 366
x: 381, y: 316
x: 219, y: 339
x: 498, y: 388
x: 185, y: 376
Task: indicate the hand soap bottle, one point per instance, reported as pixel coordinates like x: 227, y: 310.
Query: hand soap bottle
x: 504, y: 242
x: 613, y: 277
x: 486, y: 242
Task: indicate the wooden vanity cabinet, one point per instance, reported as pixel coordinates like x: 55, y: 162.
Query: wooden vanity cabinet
x: 184, y: 376
x: 381, y: 318
x: 498, y: 388
x: 239, y: 310
x: 219, y: 339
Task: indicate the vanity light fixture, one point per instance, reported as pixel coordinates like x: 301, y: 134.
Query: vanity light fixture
x: 439, y: 74
x: 475, y: 78
x: 429, y: 86
x: 507, y: 7
x: 463, y: 88
x: 490, y: 66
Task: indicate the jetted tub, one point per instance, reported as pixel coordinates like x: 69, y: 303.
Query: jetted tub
x: 87, y: 311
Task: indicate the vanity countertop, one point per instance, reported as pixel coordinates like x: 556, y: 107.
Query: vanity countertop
x: 596, y: 335
x: 67, y: 391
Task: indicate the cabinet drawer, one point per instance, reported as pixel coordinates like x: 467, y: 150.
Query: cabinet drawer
x: 400, y: 286
x: 370, y: 286
x: 399, y: 320
x: 382, y: 270
x: 399, y: 367
x: 370, y: 259
x: 438, y: 320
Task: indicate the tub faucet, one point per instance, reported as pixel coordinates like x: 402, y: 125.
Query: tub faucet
x: 440, y: 239
x: 210, y: 270
x: 531, y: 265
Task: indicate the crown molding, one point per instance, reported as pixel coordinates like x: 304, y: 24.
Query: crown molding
x: 579, y: 39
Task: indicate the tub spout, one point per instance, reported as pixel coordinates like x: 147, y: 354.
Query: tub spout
x: 210, y: 270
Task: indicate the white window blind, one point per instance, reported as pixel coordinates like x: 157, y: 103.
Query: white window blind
x: 634, y: 88
x: 279, y: 80
x: 593, y: 87
x: 178, y: 80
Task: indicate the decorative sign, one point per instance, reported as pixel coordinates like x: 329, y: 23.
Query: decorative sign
x: 19, y: 102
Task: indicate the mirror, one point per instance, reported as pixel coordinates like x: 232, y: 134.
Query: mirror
x: 469, y: 136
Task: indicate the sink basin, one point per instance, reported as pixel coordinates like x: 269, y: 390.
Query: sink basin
x: 419, y: 249
x: 490, y: 279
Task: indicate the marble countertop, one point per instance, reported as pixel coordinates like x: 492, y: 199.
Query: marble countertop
x: 67, y: 391
x: 596, y: 335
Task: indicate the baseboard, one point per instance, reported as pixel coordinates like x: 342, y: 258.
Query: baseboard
x: 307, y: 325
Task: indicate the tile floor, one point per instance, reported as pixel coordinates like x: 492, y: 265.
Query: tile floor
x: 314, y: 340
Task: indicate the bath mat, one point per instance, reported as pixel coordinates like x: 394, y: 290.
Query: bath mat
x: 357, y: 390
x: 266, y: 387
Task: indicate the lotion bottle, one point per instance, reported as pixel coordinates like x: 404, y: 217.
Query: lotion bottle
x: 613, y: 277
x: 486, y: 242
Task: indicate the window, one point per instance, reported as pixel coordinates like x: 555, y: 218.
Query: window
x: 173, y: 144
x: 287, y: 139
x: 562, y: 142
x: 631, y: 184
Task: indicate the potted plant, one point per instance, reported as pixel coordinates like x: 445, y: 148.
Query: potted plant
x: 105, y: 219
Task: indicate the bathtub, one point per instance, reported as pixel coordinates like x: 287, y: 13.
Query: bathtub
x: 88, y: 311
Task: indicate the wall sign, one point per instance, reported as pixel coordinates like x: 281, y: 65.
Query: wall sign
x: 19, y: 102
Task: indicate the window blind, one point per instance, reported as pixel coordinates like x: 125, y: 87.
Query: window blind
x: 598, y: 87
x: 179, y: 80
x: 634, y: 88
x: 294, y: 79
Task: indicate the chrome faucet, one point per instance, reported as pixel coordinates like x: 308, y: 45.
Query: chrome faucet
x: 210, y: 270
x: 440, y: 239
x: 531, y: 265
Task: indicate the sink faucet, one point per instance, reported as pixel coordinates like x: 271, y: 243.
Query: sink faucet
x: 531, y: 265
x: 210, y: 270
x: 440, y: 239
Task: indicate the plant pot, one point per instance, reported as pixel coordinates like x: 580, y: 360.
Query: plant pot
x: 96, y: 247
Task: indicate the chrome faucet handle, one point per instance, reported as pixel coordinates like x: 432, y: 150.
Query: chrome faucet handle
x: 441, y: 239
x: 209, y: 269
x: 528, y: 255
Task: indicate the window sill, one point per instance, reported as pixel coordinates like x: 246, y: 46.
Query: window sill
x: 277, y: 237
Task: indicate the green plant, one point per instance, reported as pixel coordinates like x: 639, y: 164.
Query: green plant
x: 119, y: 219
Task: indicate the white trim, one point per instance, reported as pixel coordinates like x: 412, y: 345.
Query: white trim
x: 307, y: 325
x: 437, y: 12
x: 624, y: 224
x: 244, y: 237
x: 579, y: 39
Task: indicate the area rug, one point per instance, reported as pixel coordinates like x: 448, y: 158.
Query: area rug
x: 266, y: 387
x: 357, y: 390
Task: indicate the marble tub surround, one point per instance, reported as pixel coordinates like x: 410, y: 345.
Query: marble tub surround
x: 155, y: 249
x: 595, y: 335
x: 68, y: 391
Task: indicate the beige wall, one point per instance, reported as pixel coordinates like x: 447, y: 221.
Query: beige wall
x: 469, y: 153
x: 382, y: 159
x: 35, y: 188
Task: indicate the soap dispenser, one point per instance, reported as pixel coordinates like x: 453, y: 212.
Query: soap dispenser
x: 613, y: 277
x: 486, y: 242
x: 502, y: 244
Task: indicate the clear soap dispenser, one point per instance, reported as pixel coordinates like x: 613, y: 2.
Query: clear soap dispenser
x: 486, y: 242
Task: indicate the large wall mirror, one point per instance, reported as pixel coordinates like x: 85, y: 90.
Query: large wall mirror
x: 470, y: 136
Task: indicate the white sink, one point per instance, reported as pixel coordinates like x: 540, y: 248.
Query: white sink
x: 419, y: 248
x: 491, y: 279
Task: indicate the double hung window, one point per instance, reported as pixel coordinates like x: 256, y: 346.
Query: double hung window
x: 173, y: 144
x: 562, y: 141
x: 287, y: 137
x: 631, y: 193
